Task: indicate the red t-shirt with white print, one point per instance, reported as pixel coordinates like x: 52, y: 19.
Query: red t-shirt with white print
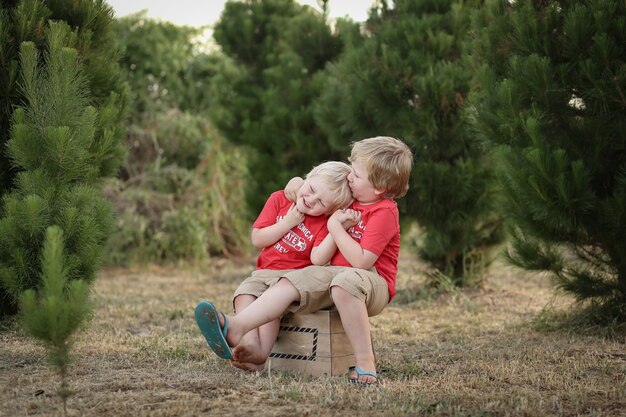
x: 378, y: 232
x: 294, y: 249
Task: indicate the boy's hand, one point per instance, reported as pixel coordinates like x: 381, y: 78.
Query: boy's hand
x: 292, y: 187
x: 346, y: 217
x: 293, y: 217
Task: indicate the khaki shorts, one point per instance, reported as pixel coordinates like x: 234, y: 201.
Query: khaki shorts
x: 314, y: 283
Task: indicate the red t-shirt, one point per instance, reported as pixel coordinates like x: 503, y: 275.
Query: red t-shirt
x: 378, y: 232
x: 294, y: 249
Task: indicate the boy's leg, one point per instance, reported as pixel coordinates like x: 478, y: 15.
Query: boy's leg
x: 241, y: 302
x: 311, y: 284
x: 359, y: 294
x: 256, y: 345
x: 252, y: 357
x: 356, y: 324
x: 270, y: 306
x: 250, y: 341
x: 303, y: 290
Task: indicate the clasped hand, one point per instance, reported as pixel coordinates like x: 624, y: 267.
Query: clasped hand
x: 345, y: 217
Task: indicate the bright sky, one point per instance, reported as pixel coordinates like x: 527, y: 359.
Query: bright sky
x: 207, y: 12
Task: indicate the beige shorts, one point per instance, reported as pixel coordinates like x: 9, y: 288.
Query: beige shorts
x: 314, y: 283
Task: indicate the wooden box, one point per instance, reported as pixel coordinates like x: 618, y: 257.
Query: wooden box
x: 314, y: 344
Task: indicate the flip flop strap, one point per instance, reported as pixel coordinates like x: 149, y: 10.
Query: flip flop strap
x: 225, y: 328
x: 361, y: 372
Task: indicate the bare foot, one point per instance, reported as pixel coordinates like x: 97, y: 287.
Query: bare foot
x: 248, y: 354
x: 250, y: 367
x: 363, y: 376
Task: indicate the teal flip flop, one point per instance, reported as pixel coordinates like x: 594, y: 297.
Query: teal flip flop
x: 209, y: 324
x: 359, y: 374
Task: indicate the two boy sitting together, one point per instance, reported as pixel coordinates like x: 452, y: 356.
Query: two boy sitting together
x: 337, y: 244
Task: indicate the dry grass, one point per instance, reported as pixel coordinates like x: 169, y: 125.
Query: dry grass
x: 493, y: 351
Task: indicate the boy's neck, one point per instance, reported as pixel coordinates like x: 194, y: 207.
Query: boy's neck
x: 369, y: 202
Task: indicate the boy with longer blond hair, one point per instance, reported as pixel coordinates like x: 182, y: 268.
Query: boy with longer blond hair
x: 290, y: 235
x: 360, y: 280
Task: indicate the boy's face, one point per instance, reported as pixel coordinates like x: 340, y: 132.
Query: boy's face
x: 362, y: 189
x: 313, y: 198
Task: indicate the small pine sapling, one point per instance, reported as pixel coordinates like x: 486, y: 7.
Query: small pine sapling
x: 55, y: 312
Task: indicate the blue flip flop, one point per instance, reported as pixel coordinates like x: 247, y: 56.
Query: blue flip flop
x: 359, y: 374
x: 209, y: 324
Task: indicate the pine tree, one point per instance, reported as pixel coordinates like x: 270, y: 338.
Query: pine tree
x: 264, y: 95
x: 56, y: 148
x: 552, y: 95
x: 55, y: 312
x: 22, y: 181
x: 407, y: 78
x: 162, y: 65
x: 27, y: 20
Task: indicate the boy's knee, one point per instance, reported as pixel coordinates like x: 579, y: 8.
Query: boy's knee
x: 342, y: 294
x: 285, y: 283
x: 364, y: 286
x: 338, y: 293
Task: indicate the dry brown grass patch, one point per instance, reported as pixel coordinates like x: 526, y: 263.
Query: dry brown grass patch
x: 477, y: 353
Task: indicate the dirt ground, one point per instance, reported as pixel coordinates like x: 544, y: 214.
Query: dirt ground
x: 493, y: 351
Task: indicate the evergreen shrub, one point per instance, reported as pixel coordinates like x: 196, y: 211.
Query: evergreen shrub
x: 55, y: 146
x: 407, y: 77
x: 61, y: 113
x: 551, y: 96
x: 263, y: 93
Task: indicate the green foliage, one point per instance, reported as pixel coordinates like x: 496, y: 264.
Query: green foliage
x: 53, y: 223
x: 180, y: 193
x: 164, y: 64
x: 407, y: 78
x: 56, y: 311
x: 182, y: 236
x: 550, y: 78
x: 91, y: 37
x: 183, y: 198
x: 264, y: 92
x: 57, y: 145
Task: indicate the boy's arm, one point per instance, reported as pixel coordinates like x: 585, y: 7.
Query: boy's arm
x: 266, y: 236
x: 292, y: 187
x: 321, y: 254
x: 350, y: 248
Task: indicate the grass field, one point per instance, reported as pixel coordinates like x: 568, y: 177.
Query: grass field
x: 493, y: 351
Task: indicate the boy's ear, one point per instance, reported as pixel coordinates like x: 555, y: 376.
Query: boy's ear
x: 380, y: 192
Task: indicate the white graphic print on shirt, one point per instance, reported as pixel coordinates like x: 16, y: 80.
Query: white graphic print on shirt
x: 357, y: 234
x: 292, y: 240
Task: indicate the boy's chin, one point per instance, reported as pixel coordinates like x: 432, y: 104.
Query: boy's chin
x: 307, y: 211
x: 302, y: 208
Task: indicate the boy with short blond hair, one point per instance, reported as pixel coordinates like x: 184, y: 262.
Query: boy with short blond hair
x: 363, y: 271
x: 388, y: 162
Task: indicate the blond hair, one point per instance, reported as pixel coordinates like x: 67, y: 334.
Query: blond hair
x: 388, y: 162
x: 334, y: 175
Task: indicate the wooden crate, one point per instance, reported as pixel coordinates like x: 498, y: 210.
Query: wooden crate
x: 314, y: 344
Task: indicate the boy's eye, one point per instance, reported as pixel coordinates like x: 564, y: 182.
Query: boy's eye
x: 322, y: 203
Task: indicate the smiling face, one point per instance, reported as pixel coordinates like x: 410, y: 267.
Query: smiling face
x: 362, y: 189
x: 314, y: 198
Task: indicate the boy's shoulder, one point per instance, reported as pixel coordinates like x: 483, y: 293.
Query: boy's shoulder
x: 384, y: 204
x: 278, y: 196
